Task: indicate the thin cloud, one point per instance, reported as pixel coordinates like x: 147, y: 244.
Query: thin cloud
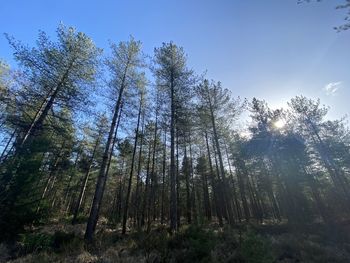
x: 332, y: 88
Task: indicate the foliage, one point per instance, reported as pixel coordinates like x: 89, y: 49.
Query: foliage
x: 157, y: 153
x: 35, y: 242
x: 256, y: 249
x: 194, y: 244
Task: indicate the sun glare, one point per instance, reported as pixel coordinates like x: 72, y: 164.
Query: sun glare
x: 279, y: 124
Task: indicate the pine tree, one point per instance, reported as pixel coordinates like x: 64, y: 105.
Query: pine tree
x: 123, y: 64
x: 172, y: 74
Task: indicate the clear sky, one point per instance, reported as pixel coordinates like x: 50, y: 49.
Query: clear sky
x: 270, y: 49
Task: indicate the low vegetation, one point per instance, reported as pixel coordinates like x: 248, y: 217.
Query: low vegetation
x: 206, y: 243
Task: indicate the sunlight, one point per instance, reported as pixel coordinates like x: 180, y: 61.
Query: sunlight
x: 280, y: 124
x: 245, y: 134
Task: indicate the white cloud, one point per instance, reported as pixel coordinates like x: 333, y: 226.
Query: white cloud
x: 332, y: 88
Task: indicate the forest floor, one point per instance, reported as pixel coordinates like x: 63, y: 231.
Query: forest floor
x: 59, y: 241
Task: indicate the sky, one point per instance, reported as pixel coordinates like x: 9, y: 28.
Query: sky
x: 269, y: 49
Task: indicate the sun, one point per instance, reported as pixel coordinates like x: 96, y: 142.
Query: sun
x: 279, y: 124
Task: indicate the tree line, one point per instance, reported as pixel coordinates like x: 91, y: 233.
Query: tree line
x: 90, y: 137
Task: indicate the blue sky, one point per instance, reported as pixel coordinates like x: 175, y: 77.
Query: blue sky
x: 270, y: 49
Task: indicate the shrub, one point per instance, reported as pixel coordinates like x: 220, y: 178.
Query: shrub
x: 154, y: 241
x: 35, y: 242
x: 194, y: 245
x: 256, y: 249
x: 226, y: 248
x: 58, y: 242
x: 66, y: 242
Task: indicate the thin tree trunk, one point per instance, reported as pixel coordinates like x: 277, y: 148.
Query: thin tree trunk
x: 153, y: 175
x: 178, y: 185
x: 4, y: 154
x: 186, y: 172
x: 116, y: 195
x: 102, y: 177
x: 138, y: 179
x: 162, y: 217
x: 241, y: 185
x: 126, y: 207
x: 221, y: 163
x: 326, y: 217
x: 145, y: 199
x: 222, y: 196
x: 68, y: 188
x: 45, y: 107
x: 193, y: 197
x: 337, y: 178
x: 85, y: 181
x: 50, y: 177
x: 235, y: 200
x: 213, y: 183
x: 173, y: 202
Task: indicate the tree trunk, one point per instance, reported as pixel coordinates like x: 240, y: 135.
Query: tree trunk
x: 4, y: 154
x: 178, y: 185
x: 153, y: 175
x: 84, y: 183
x: 235, y: 198
x: 193, y: 191
x: 126, y: 207
x: 221, y: 163
x: 102, y: 177
x: 45, y: 107
x: 162, y: 217
x: 186, y: 172
x: 173, y: 203
x: 145, y: 198
x: 68, y: 188
x: 214, y: 184
x: 138, y: 198
x: 242, y: 190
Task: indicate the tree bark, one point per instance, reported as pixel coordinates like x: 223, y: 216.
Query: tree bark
x: 173, y: 202
x: 126, y: 207
x: 138, y: 198
x: 162, y: 216
x: 221, y: 163
x: 85, y: 181
x: 214, y: 183
x: 102, y: 177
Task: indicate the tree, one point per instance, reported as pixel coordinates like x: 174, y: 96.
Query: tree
x: 97, y: 135
x: 346, y: 6
x: 56, y: 76
x: 216, y: 104
x: 141, y: 85
x: 309, y: 115
x: 61, y: 72
x: 124, y: 65
x: 173, y: 76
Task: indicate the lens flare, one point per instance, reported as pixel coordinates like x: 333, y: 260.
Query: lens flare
x: 279, y: 124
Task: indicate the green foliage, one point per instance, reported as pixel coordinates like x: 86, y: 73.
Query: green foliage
x: 19, y: 205
x: 193, y: 245
x: 226, y: 249
x: 67, y: 242
x: 154, y: 241
x: 256, y: 249
x: 35, y: 242
x: 297, y: 172
x: 58, y: 242
x: 81, y: 219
